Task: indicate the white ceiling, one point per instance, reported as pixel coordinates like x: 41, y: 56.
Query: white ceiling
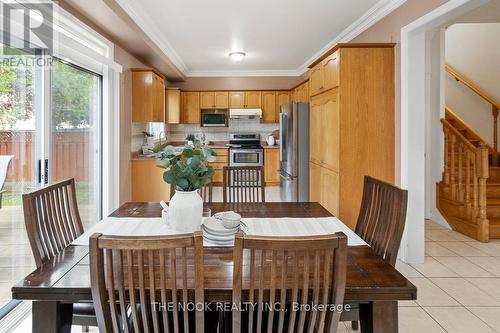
x: 280, y: 37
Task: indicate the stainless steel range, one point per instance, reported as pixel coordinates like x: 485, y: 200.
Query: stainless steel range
x: 245, y: 150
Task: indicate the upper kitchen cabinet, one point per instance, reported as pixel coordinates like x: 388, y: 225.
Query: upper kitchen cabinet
x: 252, y: 99
x: 207, y: 99
x: 282, y: 97
x: 148, y: 95
x: 271, y: 103
x: 214, y: 99
x: 301, y: 93
x: 190, y: 107
x: 237, y: 99
x: 269, y: 107
x: 221, y: 99
x: 172, y: 105
x: 244, y: 99
x: 324, y: 75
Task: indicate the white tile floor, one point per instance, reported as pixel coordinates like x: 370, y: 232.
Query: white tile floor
x: 458, y: 286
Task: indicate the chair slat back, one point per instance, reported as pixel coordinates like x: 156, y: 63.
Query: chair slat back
x: 243, y: 184
x: 205, y: 192
x: 52, y: 219
x: 382, y: 217
x: 296, y: 271
x: 143, y: 284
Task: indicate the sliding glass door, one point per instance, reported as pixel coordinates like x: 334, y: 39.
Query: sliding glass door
x: 76, y: 134
x: 21, y: 146
x: 50, y: 130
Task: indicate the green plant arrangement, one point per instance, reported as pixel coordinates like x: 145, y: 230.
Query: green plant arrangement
x: 188, y: 170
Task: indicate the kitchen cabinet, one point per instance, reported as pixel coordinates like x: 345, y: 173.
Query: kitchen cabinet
x: 316, y: 130
x: 351, y: 125
x: 271, y: 166
x: 221, y: 161
x: 172, y: 105
x: 301, y: 93
x: 324, y: 187
x: 221, y: 99
x: 269, y: 107
x: 147, y: 182
x: 190, y: 107
x: 214, y: 99
x: 325, y: 74
x: 282, y: 97
x: 207, y: 99
x: 148, y: 96
x: 330, y: 71
x: 252, y: 99
x: 244, y: 99
x: 324, y: 131
x: 236, y: 99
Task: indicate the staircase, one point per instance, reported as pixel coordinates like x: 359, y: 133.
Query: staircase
x: 468, y: 196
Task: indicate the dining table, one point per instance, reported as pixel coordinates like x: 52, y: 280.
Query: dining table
x: 371, y: 282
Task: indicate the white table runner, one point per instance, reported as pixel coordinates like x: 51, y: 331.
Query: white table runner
x: 282, y: 226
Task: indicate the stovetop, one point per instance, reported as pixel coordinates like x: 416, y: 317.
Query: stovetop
x: 245, y: 145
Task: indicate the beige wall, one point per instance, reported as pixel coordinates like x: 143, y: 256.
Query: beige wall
x: 235, y: 83
x: 388, y: 30
x: 480, y: 63
x: 127, y: 61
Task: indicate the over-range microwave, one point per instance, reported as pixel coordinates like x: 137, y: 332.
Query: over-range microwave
x: 214, y: 117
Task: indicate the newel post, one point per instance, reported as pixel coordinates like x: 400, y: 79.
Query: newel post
x: 482, y: 169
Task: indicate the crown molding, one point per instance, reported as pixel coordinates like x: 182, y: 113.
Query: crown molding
x: 143, y: 20
x: 368, y: 19
x: 381, y: 9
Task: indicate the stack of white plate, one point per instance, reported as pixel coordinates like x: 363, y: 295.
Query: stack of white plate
x: 215, y: 233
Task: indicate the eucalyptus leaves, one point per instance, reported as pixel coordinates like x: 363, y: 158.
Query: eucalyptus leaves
x: 188, y: 170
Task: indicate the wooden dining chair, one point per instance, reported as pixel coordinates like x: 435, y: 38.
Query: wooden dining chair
x: 296, y: 271
x: 382, y: 219
x: 205, y: 192
x: 52, y: 222
x: 135, y: 279
x: 243, y: 184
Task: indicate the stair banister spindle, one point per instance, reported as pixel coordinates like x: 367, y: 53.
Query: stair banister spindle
x: 453, y: 183
x: 483, y: 168
x: 460, y: 189
x: 468, y: 164
x: 446, y: 175
x: 494, y: 111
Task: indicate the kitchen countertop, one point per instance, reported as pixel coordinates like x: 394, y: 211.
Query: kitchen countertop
x: 213, y: 144
x: 266, y: 146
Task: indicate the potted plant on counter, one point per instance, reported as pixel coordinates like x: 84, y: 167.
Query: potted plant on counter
x: 187, y: 170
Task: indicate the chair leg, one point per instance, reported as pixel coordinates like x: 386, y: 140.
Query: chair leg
x: 85, y: 329
x: 355, y: 325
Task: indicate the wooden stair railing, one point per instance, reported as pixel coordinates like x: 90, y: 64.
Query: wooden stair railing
x: 465, y: 174
x: 495, y: 105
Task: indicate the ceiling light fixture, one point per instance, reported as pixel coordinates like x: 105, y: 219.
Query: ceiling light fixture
x: 237, y: 56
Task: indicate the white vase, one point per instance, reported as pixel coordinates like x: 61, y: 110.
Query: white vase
x: 185, y: 210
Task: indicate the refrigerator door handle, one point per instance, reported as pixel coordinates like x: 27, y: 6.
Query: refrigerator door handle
x: 283, y: 137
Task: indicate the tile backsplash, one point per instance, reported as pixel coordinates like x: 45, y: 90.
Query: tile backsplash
x: 178, y: 132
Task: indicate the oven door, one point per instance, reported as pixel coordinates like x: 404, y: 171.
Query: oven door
x: 246, y: 157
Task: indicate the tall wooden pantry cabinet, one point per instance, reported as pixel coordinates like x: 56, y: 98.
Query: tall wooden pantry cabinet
x: 351, y: 125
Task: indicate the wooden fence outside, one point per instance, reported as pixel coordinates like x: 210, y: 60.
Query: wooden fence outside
x: 70, y: 155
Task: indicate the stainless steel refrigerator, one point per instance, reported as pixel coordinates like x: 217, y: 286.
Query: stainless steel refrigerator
x: 294, y: 152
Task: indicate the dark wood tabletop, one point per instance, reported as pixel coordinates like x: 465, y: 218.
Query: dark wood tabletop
x: 373, y: 286
x: 67, y: 276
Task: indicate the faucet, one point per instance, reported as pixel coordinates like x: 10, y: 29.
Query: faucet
x: 159, y: 137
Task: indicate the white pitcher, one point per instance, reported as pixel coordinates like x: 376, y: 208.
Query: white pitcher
x: 185, y: 210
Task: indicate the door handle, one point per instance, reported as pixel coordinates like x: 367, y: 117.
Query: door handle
x: 46, y: 172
